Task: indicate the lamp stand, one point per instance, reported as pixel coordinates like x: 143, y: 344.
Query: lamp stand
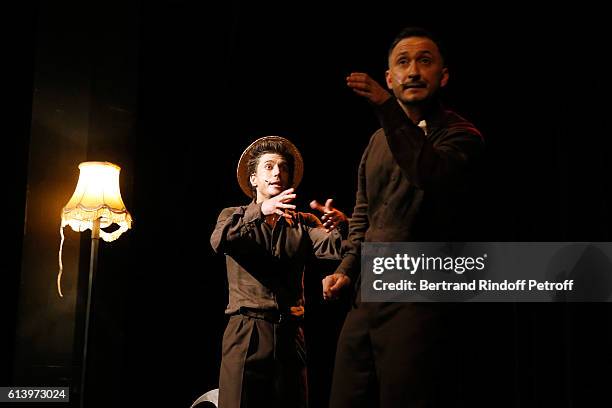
x: 93, y: 266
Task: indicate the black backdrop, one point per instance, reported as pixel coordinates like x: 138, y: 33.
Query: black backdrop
x: 213, y: 79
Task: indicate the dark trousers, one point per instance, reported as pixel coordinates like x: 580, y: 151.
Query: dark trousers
x: 397, y: 355
x: 263, y: 364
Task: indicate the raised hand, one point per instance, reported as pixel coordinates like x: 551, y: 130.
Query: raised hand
x: 277, y: 204
x: 363, y: 85
x: 332, y: 217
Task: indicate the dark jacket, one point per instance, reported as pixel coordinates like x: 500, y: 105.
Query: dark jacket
x: 412, y: 185
x: 265, y: 265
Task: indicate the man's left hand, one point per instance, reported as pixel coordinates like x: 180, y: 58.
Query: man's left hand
x: 332, y: 217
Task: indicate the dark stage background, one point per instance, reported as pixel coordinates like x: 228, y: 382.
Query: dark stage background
x: 174, y: 91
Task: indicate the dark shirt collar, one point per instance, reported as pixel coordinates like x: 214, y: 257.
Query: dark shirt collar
x: 434, y: 116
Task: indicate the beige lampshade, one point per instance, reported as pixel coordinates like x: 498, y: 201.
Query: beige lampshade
x: 97, y: 195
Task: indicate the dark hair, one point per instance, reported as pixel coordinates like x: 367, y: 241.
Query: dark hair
x: 419, y: 32
x: 269, y: 146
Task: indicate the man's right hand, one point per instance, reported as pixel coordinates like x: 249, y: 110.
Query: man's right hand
x: 333, y: 284
x: 363, y: 85
x: 277, y: 204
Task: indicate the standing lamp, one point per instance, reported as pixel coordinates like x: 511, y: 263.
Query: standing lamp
x: 95, y: 204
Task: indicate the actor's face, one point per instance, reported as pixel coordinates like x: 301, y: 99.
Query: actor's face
x: 416, y: 70
x: 271, y: 177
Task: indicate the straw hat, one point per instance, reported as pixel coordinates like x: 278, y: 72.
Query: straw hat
x: 242, y: 172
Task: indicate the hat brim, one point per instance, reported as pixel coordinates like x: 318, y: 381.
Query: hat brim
x: 242, y: 172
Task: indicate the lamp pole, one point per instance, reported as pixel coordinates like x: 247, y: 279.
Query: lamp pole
x: 93, y: 266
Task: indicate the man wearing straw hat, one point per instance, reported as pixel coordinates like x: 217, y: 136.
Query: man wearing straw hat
x: 266, y: 244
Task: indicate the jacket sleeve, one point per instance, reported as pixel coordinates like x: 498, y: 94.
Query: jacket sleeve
x: 442, y: 166
x: 358, y: 224
x: 326, y: 245
x: 233, y: 226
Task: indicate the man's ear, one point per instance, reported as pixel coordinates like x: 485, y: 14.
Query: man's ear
x: 253, y: 180
x: 389, y: 79
x: 444, y: 79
